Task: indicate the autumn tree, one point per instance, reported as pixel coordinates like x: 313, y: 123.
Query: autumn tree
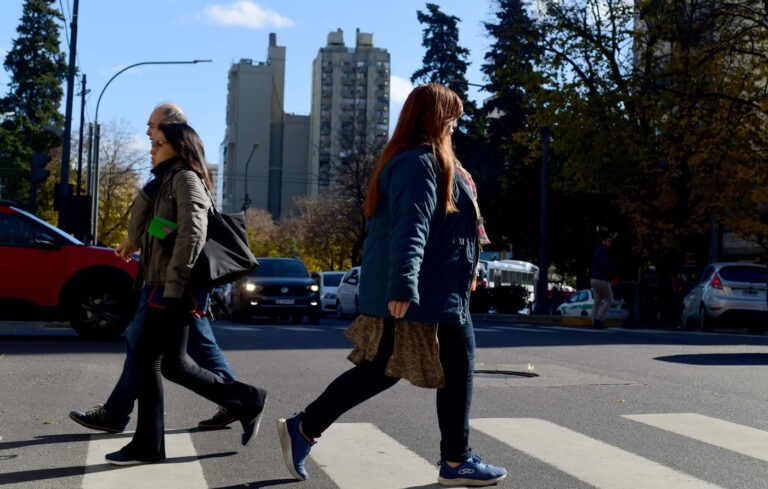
x: 122, y: 164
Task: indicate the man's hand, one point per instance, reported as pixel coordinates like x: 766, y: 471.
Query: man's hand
x: 398, y: 308
x: 125, y: 249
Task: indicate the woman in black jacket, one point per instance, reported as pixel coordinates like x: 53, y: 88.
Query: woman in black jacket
x: 172, y: 238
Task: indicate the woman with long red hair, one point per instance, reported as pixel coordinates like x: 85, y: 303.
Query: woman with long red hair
x: 419, y: 262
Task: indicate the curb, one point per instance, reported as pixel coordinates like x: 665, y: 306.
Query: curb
x: 575, y: 321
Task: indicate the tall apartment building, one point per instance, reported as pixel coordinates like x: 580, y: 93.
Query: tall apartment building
x: 278, y: 169
x: 350, y: 103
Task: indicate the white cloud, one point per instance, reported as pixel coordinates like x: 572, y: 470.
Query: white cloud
x: 245, y: 14
x: 400, y: 89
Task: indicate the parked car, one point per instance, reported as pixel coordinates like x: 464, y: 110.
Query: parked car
x: 728, y: 293
x: 46, y: 273
x: 329, y: 284
x: 582, y: 302
x: 347, y: 301
x: 278, y: 287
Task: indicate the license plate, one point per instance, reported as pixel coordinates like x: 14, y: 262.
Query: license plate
x: 284, y: 301
x: 749, y: 292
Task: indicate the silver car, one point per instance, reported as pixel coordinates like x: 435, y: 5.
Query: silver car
x: 728, y: 293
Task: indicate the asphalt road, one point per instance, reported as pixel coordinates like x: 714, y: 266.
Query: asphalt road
x: 559, y: 407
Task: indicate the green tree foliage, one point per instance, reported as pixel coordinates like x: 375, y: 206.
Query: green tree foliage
x: 37, y: 70
x: 445, y: 62
x: 509, y: 189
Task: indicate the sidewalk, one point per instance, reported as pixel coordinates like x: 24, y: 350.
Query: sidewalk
x: 25, y: 328
x: 546, y: 320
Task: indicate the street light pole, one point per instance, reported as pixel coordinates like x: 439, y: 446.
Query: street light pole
x: 97, y: 127
x: 247, y: 201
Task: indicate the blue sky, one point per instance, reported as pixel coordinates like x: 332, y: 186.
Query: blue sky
x: 114, y: 34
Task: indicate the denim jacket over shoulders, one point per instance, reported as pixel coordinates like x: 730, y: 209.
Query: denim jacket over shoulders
x: 416, y: 251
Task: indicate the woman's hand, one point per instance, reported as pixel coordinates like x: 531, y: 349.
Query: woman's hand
x: 398, y: 308
x: 125, y: 249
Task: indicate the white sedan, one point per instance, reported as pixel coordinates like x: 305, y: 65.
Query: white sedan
x: 581, y: 303
x: 347, y: 301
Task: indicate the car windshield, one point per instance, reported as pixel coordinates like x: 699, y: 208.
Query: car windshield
x: 743, y: 274
x: 280, y: 268
x: 332, y: 279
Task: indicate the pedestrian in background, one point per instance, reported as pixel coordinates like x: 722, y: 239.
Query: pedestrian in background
x: 114, y: 415
x: 600, y: 280
x: 171, y: 227
x: 419, y: 262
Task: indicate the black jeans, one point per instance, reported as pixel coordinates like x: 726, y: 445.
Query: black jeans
x: 162, y: 349
x: 362, y: 382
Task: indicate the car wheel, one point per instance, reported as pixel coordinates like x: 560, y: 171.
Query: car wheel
x: 314, y: 318
x: 297, y: 318
x: 339, y: 311
x: 704, y: 320
x: 102, y: 310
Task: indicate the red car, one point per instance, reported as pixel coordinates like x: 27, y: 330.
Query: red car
x: 44, y: 272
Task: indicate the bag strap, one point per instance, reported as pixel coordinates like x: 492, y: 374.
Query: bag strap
x: 213, y: 202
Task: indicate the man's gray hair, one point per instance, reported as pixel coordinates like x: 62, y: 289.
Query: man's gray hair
x: 171, y: 114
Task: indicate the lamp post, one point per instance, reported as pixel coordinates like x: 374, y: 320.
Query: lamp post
x: 246, y: 200
x: 97, y: 136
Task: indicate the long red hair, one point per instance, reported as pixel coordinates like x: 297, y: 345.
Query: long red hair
x: 426, y: 112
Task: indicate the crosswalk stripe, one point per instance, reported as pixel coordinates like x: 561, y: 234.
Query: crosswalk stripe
x: 183, y: 472
x: 370, y: 458
x: 592, y: 461
x: 724, y: 434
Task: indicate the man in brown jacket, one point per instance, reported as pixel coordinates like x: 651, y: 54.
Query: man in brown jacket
x: 113, y: 416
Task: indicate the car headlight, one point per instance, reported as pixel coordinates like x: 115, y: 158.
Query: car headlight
x: 250, y: 286
x: 313, y: 287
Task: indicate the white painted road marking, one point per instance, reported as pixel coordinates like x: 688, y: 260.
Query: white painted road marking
x: 731, y: 436
x: 182, y: 469
x: 592, y: 461
x: 357, y: 455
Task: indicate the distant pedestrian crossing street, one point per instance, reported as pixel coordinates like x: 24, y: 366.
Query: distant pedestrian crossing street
x: 374, y: 459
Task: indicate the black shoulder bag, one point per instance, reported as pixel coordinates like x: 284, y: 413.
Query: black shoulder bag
x: 225, y: 256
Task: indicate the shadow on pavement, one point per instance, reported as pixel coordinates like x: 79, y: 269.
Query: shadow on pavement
x: 257, y: 484
x: 329, y: 335
x: 722, y: 359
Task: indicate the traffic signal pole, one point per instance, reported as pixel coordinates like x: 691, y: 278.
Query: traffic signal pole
x: 64, y: 209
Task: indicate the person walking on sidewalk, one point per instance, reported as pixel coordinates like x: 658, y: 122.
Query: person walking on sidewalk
x: 113, y: 416
x: 419, y: 262
x: 601, y: 276
x: 171, y: 228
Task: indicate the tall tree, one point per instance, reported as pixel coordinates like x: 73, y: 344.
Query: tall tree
x: 505, y: 182
x: 37, y: 69
x: 444, y: 62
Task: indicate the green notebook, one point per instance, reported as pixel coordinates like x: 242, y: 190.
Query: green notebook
x: 160, y: 228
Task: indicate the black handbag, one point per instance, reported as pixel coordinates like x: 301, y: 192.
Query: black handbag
x: 225, y: 256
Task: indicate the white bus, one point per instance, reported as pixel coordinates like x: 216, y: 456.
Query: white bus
x: 512, y: 272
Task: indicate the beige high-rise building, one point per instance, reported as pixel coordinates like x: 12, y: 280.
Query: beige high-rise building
x: 278, y: 168
x: 350, y: 103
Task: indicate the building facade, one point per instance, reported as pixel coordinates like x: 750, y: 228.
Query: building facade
x: 265, y: 151
x: 350, y: 104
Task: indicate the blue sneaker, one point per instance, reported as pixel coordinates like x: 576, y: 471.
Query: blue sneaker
x: 295, y: 447
x: 472, y: 472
